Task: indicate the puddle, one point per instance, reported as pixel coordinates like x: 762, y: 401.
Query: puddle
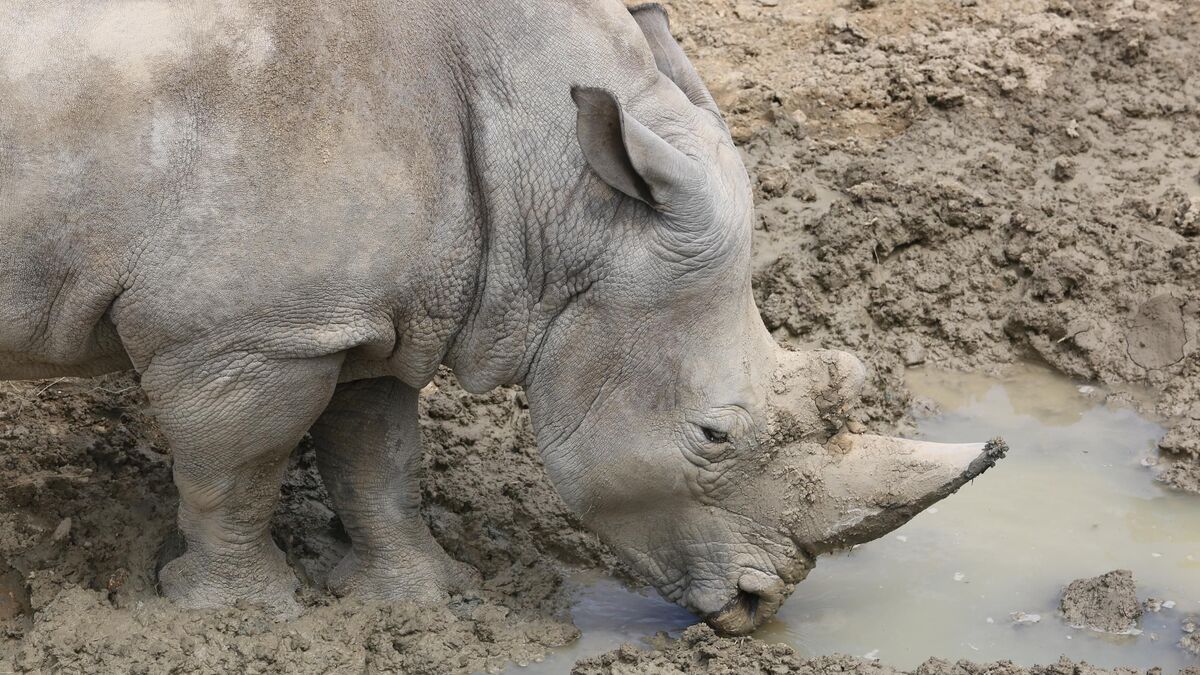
x: 609, y: 615
x: 1071, y: 500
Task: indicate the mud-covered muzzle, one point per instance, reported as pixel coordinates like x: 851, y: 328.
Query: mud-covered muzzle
x: 758, y: 597
x: 851, y: 488
x: 873, y: 485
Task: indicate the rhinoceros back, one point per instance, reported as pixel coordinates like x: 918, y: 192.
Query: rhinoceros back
x: 173, y: 168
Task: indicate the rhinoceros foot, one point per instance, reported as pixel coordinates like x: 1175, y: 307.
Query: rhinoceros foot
x: 426, y: 577
x: 261, y: 578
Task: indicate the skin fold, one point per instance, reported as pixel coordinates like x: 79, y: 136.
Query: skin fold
x: 287, y: 215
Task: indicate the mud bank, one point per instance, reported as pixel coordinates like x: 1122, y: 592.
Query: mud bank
x: 969, y: 183
x: 699, y: 650
x: 948, y: 182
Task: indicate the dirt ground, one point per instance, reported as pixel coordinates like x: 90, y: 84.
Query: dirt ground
x: 955, y: 182
x: 699, y: 650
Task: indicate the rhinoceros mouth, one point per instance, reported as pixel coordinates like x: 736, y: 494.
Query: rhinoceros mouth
x: 743, y: 614
x: 756, y: 600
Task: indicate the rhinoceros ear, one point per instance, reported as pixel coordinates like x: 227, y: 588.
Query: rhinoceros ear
x: 627, y: 155
x: 669, y: 57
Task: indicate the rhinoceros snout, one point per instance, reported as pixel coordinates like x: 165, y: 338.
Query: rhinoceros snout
x: 757, y: 599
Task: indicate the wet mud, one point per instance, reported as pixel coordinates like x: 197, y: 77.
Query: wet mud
x: 947, y: 182
x: 699, y: 650
x: 1191, y: 636
x: 968, y: 184
x: 88, y: 501
x: 1107, y: 603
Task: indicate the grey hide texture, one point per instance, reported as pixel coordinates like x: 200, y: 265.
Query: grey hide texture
x: 286, y: 215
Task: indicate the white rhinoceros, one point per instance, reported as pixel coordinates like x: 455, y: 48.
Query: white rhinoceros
x: 285, y: 214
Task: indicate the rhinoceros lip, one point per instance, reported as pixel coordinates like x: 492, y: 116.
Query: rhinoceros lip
x: 738, y: 617
x: 742, y: 615
x: 751, y: 606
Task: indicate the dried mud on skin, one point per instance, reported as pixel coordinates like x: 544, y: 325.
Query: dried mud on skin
x: 952, y: 182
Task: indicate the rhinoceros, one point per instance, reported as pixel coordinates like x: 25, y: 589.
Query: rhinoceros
x: 287, y: 214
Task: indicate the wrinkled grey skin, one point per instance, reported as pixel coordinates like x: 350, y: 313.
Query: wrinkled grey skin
x: 286, y: 215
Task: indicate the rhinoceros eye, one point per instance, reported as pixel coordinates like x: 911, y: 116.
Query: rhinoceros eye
x: 713, y: 436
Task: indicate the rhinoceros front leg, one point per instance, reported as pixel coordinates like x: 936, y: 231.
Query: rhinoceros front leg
x: 369, y: 454
x: 232, y: 421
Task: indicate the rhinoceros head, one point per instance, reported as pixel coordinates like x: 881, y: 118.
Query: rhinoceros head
x: 715, y: 461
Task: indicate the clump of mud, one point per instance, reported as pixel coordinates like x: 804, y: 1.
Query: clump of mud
x: 700, y: 650
x: 1107, y: 603
x: 14, y: 594
x: 1190, y: 641
x: 1181, y: 456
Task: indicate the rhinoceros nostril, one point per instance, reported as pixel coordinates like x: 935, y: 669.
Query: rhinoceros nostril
x: 741, y: 615
x: 757, y: 598
x: 749, y: 603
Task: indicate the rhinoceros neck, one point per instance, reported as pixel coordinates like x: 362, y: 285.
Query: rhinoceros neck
x: 543, y: 221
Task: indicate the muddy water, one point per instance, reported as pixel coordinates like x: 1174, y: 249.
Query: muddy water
x: 1072, y: 500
